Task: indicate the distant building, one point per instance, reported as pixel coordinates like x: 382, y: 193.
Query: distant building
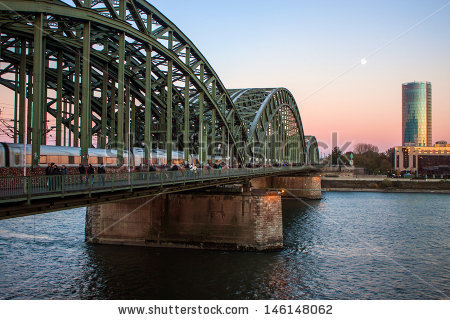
x: 416, y: 114
x: 424, y: 161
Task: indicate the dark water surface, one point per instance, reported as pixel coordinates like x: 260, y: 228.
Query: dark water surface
x: 347, y: 246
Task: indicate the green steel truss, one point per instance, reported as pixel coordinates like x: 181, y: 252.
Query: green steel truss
x: 312, y: 150
x: 272, y: 122
x: 120, y: 73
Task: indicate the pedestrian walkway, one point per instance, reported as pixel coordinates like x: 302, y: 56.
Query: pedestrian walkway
x: 19, y: 188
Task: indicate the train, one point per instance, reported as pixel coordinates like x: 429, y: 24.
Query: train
x: 12, y: 155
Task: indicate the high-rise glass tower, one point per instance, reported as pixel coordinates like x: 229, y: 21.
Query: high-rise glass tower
x: 416, y: 114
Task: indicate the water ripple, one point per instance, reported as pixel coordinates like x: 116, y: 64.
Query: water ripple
x: 347, y: 246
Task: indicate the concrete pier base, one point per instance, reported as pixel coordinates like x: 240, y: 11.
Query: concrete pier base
x: 307, y: 187
x: 247, y: 221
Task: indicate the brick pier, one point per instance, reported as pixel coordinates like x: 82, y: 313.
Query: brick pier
x: 307, y: 187
x: 242, y: 221
x: 248, y: 218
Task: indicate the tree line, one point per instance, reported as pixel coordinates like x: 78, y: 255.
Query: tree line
x: 365, y: 155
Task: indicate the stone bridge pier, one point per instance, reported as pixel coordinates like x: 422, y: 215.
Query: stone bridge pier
x: 247, y: 220
x: 302, y: 186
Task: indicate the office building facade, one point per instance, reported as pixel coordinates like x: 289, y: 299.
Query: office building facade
x: 416, y: 114
x: 424, y: 161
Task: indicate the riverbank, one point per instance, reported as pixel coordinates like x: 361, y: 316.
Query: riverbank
x: 374, y: 184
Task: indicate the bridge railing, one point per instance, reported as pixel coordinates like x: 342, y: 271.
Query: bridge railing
x: 41, y: 186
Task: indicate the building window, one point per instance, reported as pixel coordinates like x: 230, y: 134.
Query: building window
x: 405, y: 158
x: 414, y: 161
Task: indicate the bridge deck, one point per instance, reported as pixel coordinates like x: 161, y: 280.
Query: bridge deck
x: 36, y: 194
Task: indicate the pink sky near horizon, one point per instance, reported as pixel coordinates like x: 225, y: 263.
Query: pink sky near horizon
x: 306, y: 45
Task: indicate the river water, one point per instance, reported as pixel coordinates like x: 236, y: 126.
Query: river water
x: 346, y: 246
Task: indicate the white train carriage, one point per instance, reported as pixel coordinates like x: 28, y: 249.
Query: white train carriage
x: 13, y: 155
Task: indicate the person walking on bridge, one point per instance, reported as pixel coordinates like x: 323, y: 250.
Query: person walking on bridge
x: 101, y: 174
x: 90, y: 172
x: 48, y: 170
x: 82, y: 171
x: 56, y: 180
x: 51, y: 171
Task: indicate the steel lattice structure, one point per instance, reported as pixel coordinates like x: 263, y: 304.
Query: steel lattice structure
x: 272, y: 121
x: 312, y: 150
x: 120, y: 71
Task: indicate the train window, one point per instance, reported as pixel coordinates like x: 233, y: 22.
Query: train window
x: 52, y: 159
x: 43, y: 159
x: 101, y: 160
x: 63, y: 159
x: 111, y: 161
x: 93, y: 160
x: 16, y: 158
x: 71, y: 160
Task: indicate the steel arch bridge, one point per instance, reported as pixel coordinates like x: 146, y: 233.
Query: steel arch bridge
x: 118, y: 73
x: 312, y: 150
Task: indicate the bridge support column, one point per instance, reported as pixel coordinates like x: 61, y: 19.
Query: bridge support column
x: 306, y: 187
x: 22, y: 88
x: 120, y: 99
x: 86, y: 140
x: 239, y: 221
x: 38, y: 105
x: 76, y: 101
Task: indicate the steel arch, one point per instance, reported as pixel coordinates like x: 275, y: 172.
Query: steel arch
x: 262, y: 110
x: 121, y: 71
x: 312, y: 150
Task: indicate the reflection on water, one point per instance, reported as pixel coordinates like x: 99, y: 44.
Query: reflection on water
x: 347, y: 246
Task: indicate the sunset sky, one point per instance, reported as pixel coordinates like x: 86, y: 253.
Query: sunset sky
x: 303, y: 45
x: 315, y: 49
